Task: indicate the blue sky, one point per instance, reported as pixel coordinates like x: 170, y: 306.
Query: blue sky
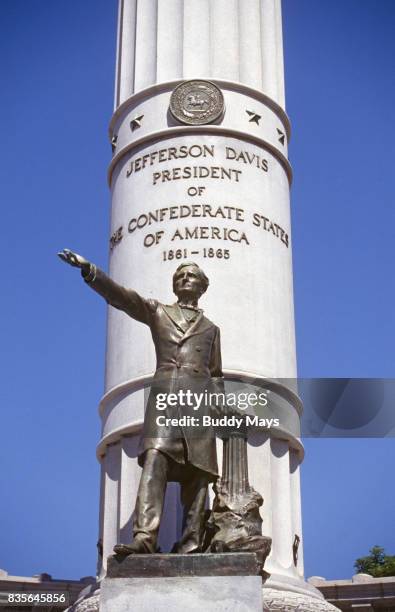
x: 58, y: 60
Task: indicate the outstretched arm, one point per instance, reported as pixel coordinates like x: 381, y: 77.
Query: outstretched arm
x: 124, y: 299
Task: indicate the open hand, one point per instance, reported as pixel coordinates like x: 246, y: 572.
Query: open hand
x: 73, y: 259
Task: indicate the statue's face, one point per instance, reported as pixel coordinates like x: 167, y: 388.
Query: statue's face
x: 187, y: 283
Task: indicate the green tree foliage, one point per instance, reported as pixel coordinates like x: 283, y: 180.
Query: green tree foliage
x: 377, y: 563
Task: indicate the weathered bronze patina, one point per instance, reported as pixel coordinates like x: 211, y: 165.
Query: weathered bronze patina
x: 234, y: 524
x: 188, y: 357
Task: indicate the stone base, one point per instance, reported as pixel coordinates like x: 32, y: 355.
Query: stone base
x: 286, y: 594
x: 288, y: 601
x: 209, y: 582
x: 87, y: 604
x: 273, y: 601
x: 88, y: 600
x: 174, y: 583
x: 196, y: 593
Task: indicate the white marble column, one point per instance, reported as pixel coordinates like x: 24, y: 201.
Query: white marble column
x: 236, y: 44
x: 295, y: 461
x: 130, y: 477
x: 124, y: 79
x: 281, y: 506
x: 164, y: 40
x: 112, y: 473
x: 272, y: 51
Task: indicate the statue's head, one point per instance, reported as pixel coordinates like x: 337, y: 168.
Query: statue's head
x: 189, y: 281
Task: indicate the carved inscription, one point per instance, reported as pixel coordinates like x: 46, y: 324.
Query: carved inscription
x: 199, y: 232
x: 270, y: 226
x: 206, y: 232
x: 195, y: 151
x: 187, y: 253
x: 232, y: 224
x: 196, y: 172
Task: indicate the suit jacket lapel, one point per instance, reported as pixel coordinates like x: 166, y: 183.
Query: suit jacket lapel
x: 175, y: 315
x: 198, y: 326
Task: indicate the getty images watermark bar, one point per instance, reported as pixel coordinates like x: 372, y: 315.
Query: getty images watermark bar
x: 329, y: 407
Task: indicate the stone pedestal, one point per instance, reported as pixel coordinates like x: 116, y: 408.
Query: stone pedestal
x: 214, y: 583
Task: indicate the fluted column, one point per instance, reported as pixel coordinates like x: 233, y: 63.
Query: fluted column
x: 169, y: 40
x: 99, y: 567
x: 272, y: 50
x: 224, y: 40
x: 281, y: 507
x: 130, y: 477
x: 112, y: 473
x: 250, y: 29
x: 124, y: 80
x: 296, y: 508
x: 196, y: 35
x: 164, y: 40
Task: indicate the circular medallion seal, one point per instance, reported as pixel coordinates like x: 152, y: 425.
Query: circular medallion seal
x: 197, y: 102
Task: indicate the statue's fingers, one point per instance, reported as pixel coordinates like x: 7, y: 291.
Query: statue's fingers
x: 62, y: 256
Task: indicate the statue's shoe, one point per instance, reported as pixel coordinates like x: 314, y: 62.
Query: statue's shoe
x: 186, y: 550
x: 135, y: 548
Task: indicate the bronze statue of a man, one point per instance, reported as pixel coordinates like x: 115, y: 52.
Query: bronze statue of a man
x: 188, y: 357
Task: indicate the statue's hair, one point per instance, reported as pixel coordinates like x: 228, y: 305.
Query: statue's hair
x: 203, y: 278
